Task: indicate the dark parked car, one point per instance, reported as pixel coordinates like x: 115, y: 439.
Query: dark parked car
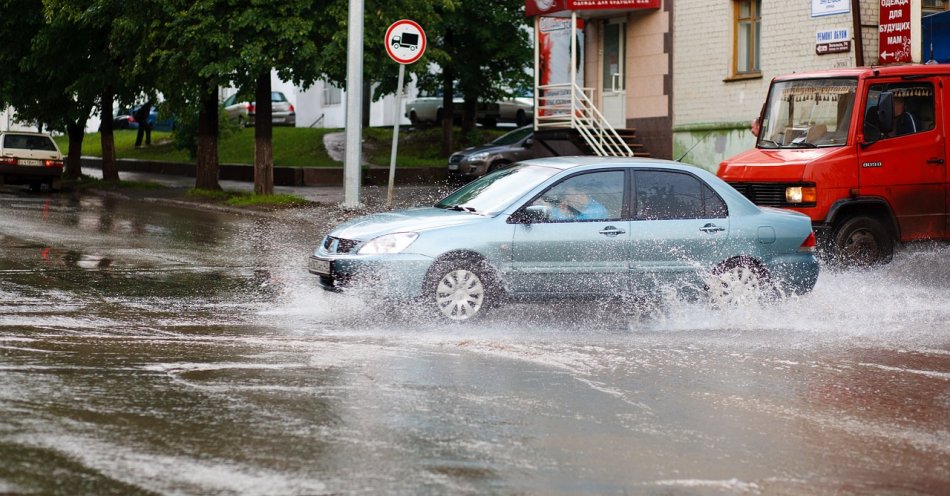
x: 503, y: 151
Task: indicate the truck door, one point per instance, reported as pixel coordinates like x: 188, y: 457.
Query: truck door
x: 906, y: 164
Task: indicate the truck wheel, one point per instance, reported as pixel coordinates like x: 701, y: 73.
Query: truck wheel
x: 862, y: 242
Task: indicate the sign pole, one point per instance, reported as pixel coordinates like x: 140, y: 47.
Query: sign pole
x: 392, y: 157
x: 354, y: 101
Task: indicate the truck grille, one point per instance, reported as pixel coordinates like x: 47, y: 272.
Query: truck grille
x: 765, y: 194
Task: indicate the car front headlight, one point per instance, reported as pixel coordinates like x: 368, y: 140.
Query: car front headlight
x: 478, y: 157
x: 389, y: 243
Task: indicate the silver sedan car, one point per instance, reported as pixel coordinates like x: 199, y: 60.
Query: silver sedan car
x: 572, y: 227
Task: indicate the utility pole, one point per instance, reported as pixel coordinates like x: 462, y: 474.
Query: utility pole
x: 354, y: 101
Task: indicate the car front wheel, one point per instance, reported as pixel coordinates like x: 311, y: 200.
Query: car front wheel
x: 460, y: 290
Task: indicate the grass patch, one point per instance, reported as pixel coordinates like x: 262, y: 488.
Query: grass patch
x: 243, y: 199
x: 293, y: 147
x: 421, y: 147
x: 297, y: 147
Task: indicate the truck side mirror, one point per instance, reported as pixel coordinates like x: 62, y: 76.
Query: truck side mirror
x: 756, y: 126
x: 885, y: 111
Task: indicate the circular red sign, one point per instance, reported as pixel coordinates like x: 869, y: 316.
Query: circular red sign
x: 405, y: 41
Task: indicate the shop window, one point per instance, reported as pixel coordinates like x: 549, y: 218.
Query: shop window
x: 934, y: 6
x: 746, y: 29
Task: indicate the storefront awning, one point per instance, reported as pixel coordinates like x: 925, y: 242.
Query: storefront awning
x: 549, y: 7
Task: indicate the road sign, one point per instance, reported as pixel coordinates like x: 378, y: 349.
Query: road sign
x: 405, y: 41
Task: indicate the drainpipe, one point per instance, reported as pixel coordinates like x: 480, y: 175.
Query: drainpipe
x: 858, y: 35
x: 537, y: 76
x: 573, y: 31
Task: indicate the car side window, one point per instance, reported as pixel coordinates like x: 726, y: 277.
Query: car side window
x: 913, y: 106
x: 662, y: 195
x: 714, y: 206
x: 585, y: 197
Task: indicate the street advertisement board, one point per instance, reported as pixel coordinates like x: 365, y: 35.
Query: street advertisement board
x: 895, y: 32
x: 829, y: 41
x: 554, y: 59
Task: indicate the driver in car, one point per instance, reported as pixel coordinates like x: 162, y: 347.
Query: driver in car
x: 576, y: 204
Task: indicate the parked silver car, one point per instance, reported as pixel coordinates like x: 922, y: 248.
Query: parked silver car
x: 243, y: 111
x: 572, y: 227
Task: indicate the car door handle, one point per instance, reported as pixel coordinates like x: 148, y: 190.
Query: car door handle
x: 611, y: 231
x: 711, y: 228
x: 935, y: 160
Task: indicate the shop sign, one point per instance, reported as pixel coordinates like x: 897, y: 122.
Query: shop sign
x: 894, y: 43
x: 829, y: 7
x: 538, y: 7
x: 829, y: 41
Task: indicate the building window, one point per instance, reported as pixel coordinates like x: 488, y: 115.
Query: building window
x: 331, y: 95
x: 747, y: 26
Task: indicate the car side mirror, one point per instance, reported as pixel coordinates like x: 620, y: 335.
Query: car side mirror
x: 528, y: 142
x: 885, y: 111
x: 756, y: 126
x: 531, y: 215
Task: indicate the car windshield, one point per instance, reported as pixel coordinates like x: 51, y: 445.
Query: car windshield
x: 513, y: 137
x: 808, y: 113
x: 489, y: 195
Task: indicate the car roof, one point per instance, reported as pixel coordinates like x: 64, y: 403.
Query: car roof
x: 27, y: 133
x: 570, y: 162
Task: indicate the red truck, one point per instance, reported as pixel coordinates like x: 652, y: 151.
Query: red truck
x: 862, y: 151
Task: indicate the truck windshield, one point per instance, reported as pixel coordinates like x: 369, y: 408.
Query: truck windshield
x: 808, y: 113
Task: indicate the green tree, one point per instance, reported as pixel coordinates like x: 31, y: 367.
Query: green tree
x: 283, y: 36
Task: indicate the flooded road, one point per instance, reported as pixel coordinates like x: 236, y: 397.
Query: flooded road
x: 154, y: 349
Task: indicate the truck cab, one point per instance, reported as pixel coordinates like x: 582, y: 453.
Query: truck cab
x: 861, y: 151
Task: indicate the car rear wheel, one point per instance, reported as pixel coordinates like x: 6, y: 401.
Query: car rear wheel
x: 739, y: 282
x: 460, y: 290
x: 862, y: 242
x: 521, y: 119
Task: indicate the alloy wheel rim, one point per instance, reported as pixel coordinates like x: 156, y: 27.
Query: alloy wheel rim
x: 460, y: 295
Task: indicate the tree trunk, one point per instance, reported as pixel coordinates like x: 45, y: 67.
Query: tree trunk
x: 207, y: 168
x: 263, y: 138
x: 76, y: 132
x: 448, y: 112
x: 110, y: 170
x: 469, y: 111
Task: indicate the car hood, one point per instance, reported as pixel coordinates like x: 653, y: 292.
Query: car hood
x: 409, y: 220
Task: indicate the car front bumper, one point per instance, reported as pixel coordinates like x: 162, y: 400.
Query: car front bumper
x: 398, y: 275
x: 470, y: 169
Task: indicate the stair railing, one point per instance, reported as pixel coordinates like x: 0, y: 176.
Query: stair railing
x: 569, y: 106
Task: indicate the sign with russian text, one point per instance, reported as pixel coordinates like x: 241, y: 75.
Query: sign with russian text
x: 539, y: 7
x: 829, y: 7
x: 894, y: 44
x: 829, y: 41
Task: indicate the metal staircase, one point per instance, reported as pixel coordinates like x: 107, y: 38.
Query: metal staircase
x: 568, y: 106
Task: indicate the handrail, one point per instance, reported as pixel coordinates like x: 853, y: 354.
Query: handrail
x: 575, y: 109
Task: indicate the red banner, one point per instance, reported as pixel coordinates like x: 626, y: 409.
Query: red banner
x: 894, y: 42
x: 538, y: 7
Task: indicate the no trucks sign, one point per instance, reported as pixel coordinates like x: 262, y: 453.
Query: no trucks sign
x: 405, y: 41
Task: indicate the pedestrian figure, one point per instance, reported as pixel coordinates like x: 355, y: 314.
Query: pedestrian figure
x: 145, y: 127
